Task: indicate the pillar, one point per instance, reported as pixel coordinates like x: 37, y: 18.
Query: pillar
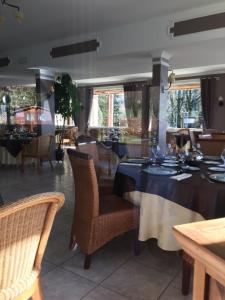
x: 159, y: 97
x: 45, y: 102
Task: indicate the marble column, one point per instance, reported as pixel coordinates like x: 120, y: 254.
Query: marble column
x: 159, y: 97
x: 45, y: 101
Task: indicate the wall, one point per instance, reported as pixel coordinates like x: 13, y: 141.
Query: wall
x: 20, y: 96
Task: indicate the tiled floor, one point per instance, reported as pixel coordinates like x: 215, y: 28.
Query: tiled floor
x: 115, y: 274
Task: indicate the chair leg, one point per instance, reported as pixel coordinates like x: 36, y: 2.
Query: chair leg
x: 87, y: 261
x: 73, y: 243
x: 38, y: 294
x: 186, y: 277
x: 50, y: 162
x: 137, y: 248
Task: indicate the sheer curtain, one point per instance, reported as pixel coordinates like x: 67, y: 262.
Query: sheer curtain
x: 85, y: 96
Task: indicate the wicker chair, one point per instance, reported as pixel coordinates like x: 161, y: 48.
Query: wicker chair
x: 39, y: 148
x: 211, y: 146
x: 69, y: 137
x: 97, y: 220
x: 25, y: 227
x: 99, y: 153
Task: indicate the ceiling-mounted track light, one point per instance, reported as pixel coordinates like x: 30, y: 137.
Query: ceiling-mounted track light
x: 18, y: 13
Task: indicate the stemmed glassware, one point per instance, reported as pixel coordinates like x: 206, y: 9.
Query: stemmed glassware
x: 156, y: 153
x: 182, y: 156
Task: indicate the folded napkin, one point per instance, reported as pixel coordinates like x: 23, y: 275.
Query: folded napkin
x: 131, y: 164
x: 205, y: 136
x: 181, y: 176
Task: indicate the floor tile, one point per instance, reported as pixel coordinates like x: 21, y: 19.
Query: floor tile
x: 136, y: 281
x: 47, y: 267
x: 101, y: 293
x: 60, y: 284
x: 154, y: 257
x: 104, y: 262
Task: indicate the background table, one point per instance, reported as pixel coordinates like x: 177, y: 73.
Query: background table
x: 165, y: 202
x: 10, y: 150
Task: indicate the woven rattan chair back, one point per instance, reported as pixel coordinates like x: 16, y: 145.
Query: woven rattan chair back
x: 39, y: 148
x: 86, y: 185
x: 84, y: 139
x: 90, y: 148
x: 25, y: 228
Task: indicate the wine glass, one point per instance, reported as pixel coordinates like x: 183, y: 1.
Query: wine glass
x: 156, y: 153
x: 182, y: 156
x: 223, y: 157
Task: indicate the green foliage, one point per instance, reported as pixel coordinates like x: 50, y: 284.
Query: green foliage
x: 66, y: 100
x: 103, y: 109
x: 117, y: 112
x: 181, y: 102
x: 133, y: 104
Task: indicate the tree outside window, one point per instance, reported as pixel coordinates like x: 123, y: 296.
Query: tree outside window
x: 184, y: 108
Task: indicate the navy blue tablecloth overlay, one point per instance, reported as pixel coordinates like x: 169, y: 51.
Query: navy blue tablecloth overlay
x: 119, y: 148
x: 14, y: 146
x: 193, y: 193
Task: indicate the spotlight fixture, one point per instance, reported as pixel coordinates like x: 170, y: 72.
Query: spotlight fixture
x: 18, y: 14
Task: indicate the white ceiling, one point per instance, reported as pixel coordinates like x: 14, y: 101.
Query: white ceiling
x: 129, y: 31
x: 54, y: 19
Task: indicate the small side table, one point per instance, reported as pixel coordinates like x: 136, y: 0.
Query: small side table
x: 205, y: 243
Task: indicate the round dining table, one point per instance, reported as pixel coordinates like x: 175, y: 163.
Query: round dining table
x: 10, y: 149
x: 165, y: 202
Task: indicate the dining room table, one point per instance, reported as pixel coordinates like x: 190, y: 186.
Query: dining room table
x: 125, y: 149
x: 11, y: 147
x: 172, y: 199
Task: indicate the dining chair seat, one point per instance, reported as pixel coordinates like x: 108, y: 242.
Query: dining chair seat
x: 113, y: 203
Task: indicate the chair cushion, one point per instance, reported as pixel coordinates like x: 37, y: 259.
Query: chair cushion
x: 112, y: 204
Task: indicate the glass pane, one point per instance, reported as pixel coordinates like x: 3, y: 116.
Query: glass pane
x: 184, y: 108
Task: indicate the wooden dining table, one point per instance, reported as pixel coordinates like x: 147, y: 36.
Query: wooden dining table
x: 165, y: 202
x: 205, y: 243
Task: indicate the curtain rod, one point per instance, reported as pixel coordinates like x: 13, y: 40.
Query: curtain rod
x: 116, y: 83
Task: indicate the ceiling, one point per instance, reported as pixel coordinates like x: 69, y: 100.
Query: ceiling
x: 128, y: 29
x: 54, y: 19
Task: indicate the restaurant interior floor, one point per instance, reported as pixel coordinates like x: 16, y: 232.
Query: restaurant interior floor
x: 115, y: 274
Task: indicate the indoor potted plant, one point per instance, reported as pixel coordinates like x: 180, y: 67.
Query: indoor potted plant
x: 66, y: 104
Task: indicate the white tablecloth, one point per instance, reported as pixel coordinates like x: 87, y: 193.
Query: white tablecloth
x: 157, y: 217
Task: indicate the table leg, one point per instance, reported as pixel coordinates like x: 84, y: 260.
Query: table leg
x: 199, y: 288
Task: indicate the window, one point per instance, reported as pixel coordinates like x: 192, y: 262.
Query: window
x: 184, y: 106
x: 108, y: 108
